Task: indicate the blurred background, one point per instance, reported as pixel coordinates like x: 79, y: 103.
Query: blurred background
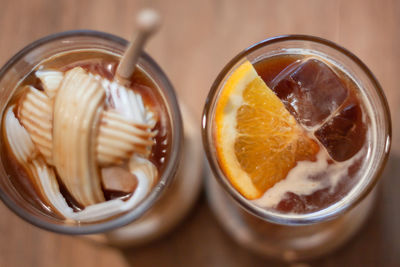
x: 196, y: 40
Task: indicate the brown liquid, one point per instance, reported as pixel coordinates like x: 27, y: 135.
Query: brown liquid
x: 103, y: 64
x: 342, y: 136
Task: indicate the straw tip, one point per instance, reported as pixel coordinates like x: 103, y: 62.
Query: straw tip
x: 148, y: 20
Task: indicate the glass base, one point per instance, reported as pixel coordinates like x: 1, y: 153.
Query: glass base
x: 282, y: 242
x: 176, y: 202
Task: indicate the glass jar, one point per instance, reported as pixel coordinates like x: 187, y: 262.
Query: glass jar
x: 294, y: 237
x: 170, y: 184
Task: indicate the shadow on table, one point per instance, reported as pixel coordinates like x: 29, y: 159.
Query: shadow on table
x: 201, y: 241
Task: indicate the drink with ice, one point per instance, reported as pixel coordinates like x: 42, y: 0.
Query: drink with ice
x: 296, y: 130
x: 83, y: 152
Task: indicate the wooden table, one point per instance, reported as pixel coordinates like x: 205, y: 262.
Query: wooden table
x: 195, y: 42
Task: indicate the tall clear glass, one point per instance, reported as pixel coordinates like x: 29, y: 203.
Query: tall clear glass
x: 163, y: 202
x: 293, y: 237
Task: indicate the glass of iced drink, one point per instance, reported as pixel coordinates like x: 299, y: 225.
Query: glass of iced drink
x: 83, y: 154
x: 297, y: 131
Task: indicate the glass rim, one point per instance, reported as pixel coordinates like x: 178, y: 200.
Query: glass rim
x: 170, y: 168
x: 290, y: 219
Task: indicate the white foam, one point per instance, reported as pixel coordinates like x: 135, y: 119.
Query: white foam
x: 128, y: 104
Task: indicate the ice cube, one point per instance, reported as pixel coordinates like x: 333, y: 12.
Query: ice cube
x: 305, y: 203
x: 344, y: 134
x: 118, y: 179
x: 310, y: 90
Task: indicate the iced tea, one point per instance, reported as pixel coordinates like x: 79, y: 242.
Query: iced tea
x: 297, y: 131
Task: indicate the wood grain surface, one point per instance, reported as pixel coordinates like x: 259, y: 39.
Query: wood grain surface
x: 196, y: 40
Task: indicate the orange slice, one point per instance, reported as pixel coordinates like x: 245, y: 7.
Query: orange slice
x: 257, y: 140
